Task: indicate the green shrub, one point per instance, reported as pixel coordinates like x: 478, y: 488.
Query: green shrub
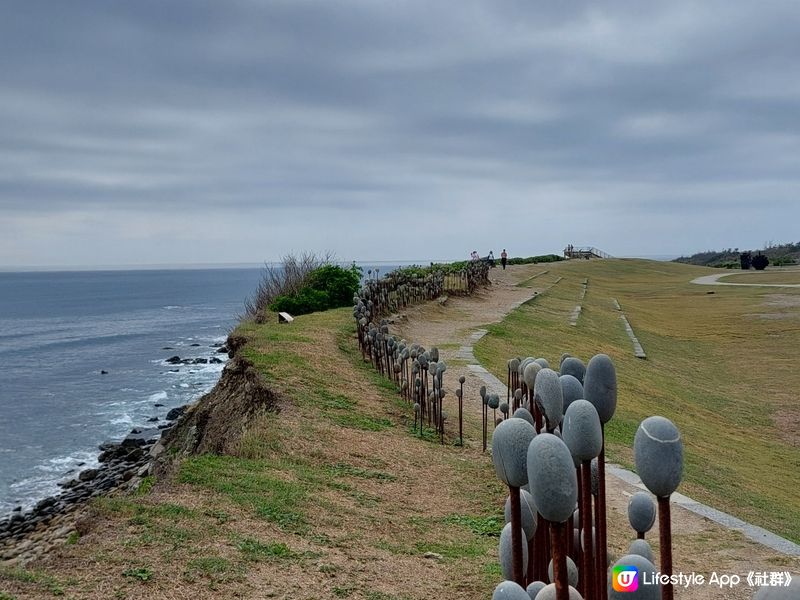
x: 760, y: 262
x: 328, y: 286
x: 544, y: 258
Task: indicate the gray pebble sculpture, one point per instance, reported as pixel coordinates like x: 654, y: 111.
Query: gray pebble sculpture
x: 462, y: 379
x: 505, y: 553
x: 548, y: 592
x: 534, y: 588
x: 643, y: 592
x: 529, y: 374
x: 790, y: 592
x: 547, y: 392
x: 572, y: 572
x: 600, y: 386
x: 504, y: 408
x: 509, y: 590
x: 528, y: 513
x: 641, y: 512
x: 493, y: 400
x: 523, y: 413
x: 581, y: 430
x: 551, y: 471
x: 658, y: 453
x: 642, y: 548
x: 571, y: 390
x: 543, y: 363
x: 510, y: 443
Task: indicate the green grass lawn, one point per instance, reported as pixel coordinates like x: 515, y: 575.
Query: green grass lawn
x: 722, y: 364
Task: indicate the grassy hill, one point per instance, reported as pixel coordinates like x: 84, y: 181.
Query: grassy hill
x: 722, y: 364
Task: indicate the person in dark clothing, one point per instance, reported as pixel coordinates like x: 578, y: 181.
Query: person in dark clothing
x: 503, y: 258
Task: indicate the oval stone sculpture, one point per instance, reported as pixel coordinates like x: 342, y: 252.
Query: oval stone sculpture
x: 575, y: 367
x: 510, y: 451
x: 529, y: 374
x: 534, y: 588
x: 643, y: 592
x: 542, y: 363
x: 581, y: 430
x: 572, y: 572
x: 528, y: 512
x: 547, y: 393
x: 790, y: 592
x: 564, y: 356
x: 504, y: 408
x: 506, y: 562
x: 462, y: 379
x: 523, y: 413
x: 548, y: 592
x: 509, y: 590
x: 483, y: 391
x: 524, y: 363
x: 642, y: 548
x: 641, y: 512
x: 600, y: 386
x: 513, y: 364
x: 493, y: 400
x: 551, y: 472
x: 658, y: 453
x: 571, y: 390
x: 595, y: 477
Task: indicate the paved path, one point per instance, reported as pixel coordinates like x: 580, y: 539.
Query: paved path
x: 714, y: 280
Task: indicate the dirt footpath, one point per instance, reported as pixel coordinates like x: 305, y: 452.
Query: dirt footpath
x: 700, y: 545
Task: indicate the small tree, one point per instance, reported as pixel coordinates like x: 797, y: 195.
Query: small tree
x: 760, y: 262
x: 746, y: 258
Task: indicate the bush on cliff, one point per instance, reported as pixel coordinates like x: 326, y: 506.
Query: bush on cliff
x: 327, y: 287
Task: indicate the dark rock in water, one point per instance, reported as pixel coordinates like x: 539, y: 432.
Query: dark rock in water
x: 173, y: 360
x: 136, y: 430
x: 103, y: 372
x: 80, y: 464
x: 214, y: 360
x: 108, y: 446
x: 69, y: 484
x: 43, y: 504
x: 139, y: 437
x: 158, y: 404
x: 194, y: 345
x: 222, y: 350
x: 216, y: 345
x: 168, y: 348
x: 152, y: 419
x: 87, y: 475
x: 17, y: 509
x: 165, y: 426
x: 200, y: 361
x: 176, y: 412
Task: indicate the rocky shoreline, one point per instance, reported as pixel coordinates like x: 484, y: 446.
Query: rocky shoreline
x: 28, y: 535
x: 25, y: 536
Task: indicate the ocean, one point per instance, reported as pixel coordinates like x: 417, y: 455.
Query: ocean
x: 59, y: 330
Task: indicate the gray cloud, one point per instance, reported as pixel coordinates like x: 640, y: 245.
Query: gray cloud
x: 173, y: 131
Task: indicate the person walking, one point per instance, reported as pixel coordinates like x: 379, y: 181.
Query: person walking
x: 503, y: 258
x: 491, y: 258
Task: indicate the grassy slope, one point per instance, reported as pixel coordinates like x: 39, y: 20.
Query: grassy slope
x: 720, y: 375
x: 334, y: 497
x: 780, y: 276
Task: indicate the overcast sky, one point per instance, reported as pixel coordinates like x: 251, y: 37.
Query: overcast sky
x: 236, y: 131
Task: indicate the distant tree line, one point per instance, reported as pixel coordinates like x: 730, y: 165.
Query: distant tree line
x: 734, y: 258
